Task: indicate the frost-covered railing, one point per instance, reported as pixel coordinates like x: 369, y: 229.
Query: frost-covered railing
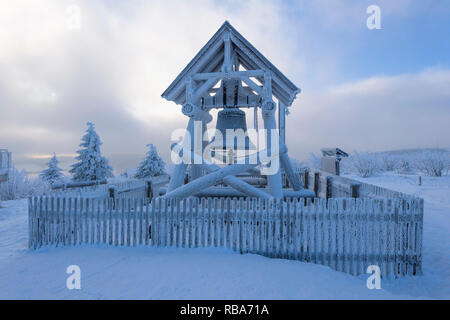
x: 125, y: 189
x: 327, y: 185
x: 345, y: 234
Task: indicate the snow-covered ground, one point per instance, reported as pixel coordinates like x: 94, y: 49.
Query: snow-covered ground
x: 154, y: 273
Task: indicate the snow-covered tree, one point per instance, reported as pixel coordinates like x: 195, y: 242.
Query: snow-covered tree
x: 151, y: 166
x: 91, y: 165
x: 53, y: 173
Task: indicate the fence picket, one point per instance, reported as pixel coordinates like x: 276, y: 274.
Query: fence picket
x: 210, y: 232
x: 56, y: 222
x: 65, y: 222
x: 195, y: 224
x: 97, y: 224
x: 147, y: 221
x: 61, y: 222
x: 351, y: 227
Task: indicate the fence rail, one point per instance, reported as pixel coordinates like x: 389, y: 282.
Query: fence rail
x: 132, y: 188
x: 345, y: 234
x: 327, y: 185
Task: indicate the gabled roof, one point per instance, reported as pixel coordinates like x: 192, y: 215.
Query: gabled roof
x: 210, y: 59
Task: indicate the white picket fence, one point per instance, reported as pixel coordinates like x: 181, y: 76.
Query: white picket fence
x: 345, y: 234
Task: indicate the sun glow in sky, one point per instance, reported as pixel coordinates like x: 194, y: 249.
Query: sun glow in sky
x: 66, y: 62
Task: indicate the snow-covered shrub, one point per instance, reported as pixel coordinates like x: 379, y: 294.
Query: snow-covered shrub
x: 91, y: 165
x: 346, y: 166
x: 389, y: 162
x: 364, y: 164
x: 151, y: 166
x: 53, y: 174
x: 19, y: 186
x: 435, y: 163
x: 405, y: 165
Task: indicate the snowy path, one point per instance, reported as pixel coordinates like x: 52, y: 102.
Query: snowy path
x: 152, y: 273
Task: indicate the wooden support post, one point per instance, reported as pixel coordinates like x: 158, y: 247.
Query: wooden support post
x: 227, y: 62
x: 282, y: 122
x: 198, y: 145
x: 268, y: 109
x: 177, y: 177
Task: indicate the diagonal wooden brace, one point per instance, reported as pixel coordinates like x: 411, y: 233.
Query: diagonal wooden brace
x: 288, y: 168
x: 238, y: 184
x: 206, y: 181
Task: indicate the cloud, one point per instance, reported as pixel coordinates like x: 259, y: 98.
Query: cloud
x: 111, y: 71
x: 379, y: 113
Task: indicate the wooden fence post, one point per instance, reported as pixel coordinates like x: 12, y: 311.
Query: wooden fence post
x: 354, y: 190
x: 329, y: 187
x: 149, y: 190
x: 306, y: 178
x: 316, y: 183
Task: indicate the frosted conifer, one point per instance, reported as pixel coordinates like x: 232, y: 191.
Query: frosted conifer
x: 91, y: 165
x: 151, y: 166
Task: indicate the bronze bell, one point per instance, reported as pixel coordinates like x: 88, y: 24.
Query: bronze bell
x: 231, y: 118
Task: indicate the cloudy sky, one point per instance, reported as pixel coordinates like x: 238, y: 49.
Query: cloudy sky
x: 362, y: 89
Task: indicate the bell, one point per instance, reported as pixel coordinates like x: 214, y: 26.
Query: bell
x: 232, y: 119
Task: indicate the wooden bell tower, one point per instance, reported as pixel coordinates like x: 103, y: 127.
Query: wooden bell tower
x: 247, y: 80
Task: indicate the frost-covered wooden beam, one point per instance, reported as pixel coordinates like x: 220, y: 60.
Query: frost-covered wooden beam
x: 231, y: 74
x: 78, y: 184
x: 282, y: 121
x: 289, y: 168
x: 268, y: 108
x: 215, y: 64
x: 227, y: 62
x: 252, y: 85
x: 239, y: 184
x: 230, y: 192
x: 206, y: 181
x: 177, y: 178
x: 230, y: 180
x: 245, y: 89
x: 205, y: 87
x: 192, y: 111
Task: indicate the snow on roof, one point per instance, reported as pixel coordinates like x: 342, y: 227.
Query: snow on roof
x: 210, y: 59
x: 333, y: 152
